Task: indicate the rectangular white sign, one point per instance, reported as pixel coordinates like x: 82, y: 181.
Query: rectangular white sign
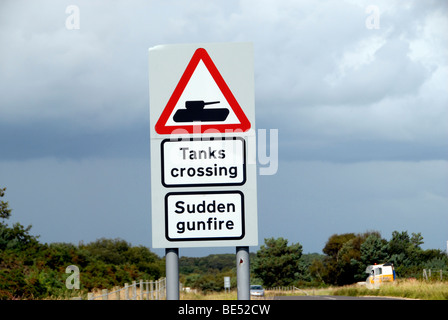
x: 214, y: 215
x: 195, y: 163
x: 203, y: 145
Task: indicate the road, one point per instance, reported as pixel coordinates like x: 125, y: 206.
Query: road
x: 332, y: 298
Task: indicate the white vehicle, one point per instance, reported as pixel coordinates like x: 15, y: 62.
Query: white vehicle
x: 379, y: 273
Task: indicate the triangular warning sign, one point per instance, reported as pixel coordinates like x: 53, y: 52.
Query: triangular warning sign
x: 202, y: 101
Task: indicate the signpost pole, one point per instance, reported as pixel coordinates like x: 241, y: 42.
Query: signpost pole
x: 172, y: 273
x: 243, y: 273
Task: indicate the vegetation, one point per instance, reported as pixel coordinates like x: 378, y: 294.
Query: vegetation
x: 344, y: 262
x: 33, y: 270
x: 278, y: 264
x: 207, y: 273
x: 403, y: 288
x: 348, y: 255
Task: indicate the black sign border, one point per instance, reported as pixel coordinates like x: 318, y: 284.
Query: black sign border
x: 187, y: 185
x: 243, y: 231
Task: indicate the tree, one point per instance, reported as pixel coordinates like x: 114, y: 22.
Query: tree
x: 5, y: 212
x: 335, y: 243
x: 276, y: 263
x: 108, y: 250
x: 332, y: 267
x: 348, y: 261
x: 373, y: 250
x: 405, y: 252
x: 399, y: 242
x: 417, y: 239
x: 15, y: 238
x: 347, y: 256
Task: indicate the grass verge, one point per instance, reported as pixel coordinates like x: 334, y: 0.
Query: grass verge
x: 407, y: 289
x: 410, y: 289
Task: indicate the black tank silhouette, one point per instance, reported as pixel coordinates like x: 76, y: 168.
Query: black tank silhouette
x: 195, y: 112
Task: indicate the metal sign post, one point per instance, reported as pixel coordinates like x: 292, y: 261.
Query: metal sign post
x: 172, y: 273
x: 243, y: 273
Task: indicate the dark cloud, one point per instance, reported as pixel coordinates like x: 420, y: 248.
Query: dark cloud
x: 350, y: 104
x: 360, y: 151
x: 61, y: 140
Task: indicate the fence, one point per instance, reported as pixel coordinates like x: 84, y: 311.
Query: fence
x: 438, y: 274
x: 286, y: 289
x: 155, y: 290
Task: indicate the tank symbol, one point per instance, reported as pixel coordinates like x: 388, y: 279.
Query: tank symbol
x: 195, y: 112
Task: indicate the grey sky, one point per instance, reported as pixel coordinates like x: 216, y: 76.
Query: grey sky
x: 362, y: 114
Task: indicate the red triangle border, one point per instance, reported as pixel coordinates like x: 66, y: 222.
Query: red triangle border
x: 201, y: 54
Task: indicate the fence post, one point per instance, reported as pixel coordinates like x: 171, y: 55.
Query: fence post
x: 134, y: 290
x: 151, y: 283
x: 141, y: 289
x: 126, y: 291
x: 105, y: 294
x: 155, y: 289
x: 145, y: 284
x: 117, y: 292
x: 160, y: 291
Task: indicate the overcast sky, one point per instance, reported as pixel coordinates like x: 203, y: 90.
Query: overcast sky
x: 360, y: 101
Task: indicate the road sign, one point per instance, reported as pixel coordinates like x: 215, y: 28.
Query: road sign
x: 202, y: 95
x: 193, y: 163
x: 203, y: 165
x: 213, y: 215
x: 226, y: 282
